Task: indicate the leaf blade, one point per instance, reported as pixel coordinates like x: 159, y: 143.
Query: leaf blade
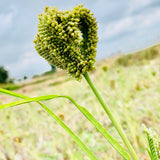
x: 83, y: 110
x: 56, y: 118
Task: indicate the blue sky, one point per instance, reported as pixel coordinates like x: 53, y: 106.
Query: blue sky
x: 124, y: 26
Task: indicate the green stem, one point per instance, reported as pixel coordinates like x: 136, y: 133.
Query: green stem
x: 112, y: 118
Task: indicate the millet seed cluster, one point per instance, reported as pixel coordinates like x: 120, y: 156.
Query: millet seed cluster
x: 68, y: 40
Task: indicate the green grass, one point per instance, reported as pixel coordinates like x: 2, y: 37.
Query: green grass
x: 132, y: 91
x: 140, y: 57
x: 10, y: 86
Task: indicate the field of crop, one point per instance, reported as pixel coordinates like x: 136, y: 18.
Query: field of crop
x: 129, y: 84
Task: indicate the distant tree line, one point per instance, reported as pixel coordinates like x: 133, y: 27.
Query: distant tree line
x: 3, y: 75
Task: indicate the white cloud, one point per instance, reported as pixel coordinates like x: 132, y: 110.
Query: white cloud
x: 132, y: 23
x: 116, y: 27
x: 28, y: 64
x: 151, y: 18
x: 138, y: 4
x: 7, y: 19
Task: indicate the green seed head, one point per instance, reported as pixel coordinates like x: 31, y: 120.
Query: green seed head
x: 154, y: 143
x: 68, y: 40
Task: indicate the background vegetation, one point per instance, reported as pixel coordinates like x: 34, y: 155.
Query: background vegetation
x: 128, y: 83
x: 3, y: 75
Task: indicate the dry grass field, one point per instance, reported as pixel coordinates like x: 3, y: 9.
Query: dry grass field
x: 129, y: 84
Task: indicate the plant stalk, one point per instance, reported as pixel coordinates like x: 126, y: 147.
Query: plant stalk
x: 112, y: 118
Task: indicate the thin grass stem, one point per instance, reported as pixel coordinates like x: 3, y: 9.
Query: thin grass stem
x: 112, y: 118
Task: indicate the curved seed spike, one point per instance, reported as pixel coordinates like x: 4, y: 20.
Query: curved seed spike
x: 154, y: 144
x: 68, y: 39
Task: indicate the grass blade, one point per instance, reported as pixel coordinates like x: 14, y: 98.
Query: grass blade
x: 84, y: 111
x: 56, y: 118
x: 150, y: 155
